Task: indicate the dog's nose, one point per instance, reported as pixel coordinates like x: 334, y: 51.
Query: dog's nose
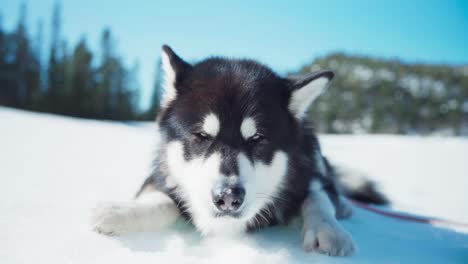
x: 229, y: 199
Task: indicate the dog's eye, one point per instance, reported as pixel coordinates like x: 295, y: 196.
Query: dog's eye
x: 202, y: 135
x: 256, y: 138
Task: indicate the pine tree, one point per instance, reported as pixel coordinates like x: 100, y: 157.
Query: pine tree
x: 82, y: 82
x: 56, y: 68
x: 26, y: 66
x: 38, y: 82
x: 7, y: 76
x: 116, y: 97
x: 103, y: 100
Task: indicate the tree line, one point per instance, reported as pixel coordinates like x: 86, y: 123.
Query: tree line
x: 75, y: 82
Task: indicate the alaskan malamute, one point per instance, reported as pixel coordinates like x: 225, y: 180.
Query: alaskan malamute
x: 237, y: 155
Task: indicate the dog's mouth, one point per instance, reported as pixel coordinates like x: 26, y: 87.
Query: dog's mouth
x: 228, y: 214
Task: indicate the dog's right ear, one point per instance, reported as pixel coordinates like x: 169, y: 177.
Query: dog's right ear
x: 173, y: 68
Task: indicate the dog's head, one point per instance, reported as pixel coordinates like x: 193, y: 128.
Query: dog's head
x: 230, y: 127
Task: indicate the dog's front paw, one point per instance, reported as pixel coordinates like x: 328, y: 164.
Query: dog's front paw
x: 109, y: 219
x: 330, y: 240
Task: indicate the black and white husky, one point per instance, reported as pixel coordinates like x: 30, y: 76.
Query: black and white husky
x: 237, y: 155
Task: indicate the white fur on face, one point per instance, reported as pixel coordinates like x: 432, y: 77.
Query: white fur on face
x: 169, y: 90
x: 302, y: 98
x: 262, y: 181
x: 197, y: 177
x: 195, y: 180
x: 248, y: 127
x: 211, y: 125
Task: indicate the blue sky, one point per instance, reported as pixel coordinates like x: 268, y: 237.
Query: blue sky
x: 282, y: 34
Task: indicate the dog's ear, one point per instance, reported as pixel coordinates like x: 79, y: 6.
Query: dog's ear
x: 173, y: 68
x: 305, y: 89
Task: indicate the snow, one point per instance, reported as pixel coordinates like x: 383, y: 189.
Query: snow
x: 53, y: 170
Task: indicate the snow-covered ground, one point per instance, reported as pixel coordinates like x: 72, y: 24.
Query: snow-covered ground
x: 54, y: 169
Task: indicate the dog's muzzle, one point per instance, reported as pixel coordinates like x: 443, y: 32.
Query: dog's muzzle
x: 228, y: 199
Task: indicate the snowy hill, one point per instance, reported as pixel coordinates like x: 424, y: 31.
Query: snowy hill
x: 54, y: 169
x: 377, y: 95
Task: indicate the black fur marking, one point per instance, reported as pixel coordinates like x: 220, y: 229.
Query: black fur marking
x: 177, y: 63
x: 368, y: 193
x: 299, y: 81
x: 150, y: 181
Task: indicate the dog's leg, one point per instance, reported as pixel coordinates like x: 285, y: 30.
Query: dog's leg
x: 321, y: 231
x: 343, y: 208
x: 150, y: 211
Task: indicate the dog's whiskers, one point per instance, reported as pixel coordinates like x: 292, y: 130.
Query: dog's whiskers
x: 266, y: 210
x: 266, y: 219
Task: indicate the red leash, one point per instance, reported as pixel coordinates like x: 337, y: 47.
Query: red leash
x: 418, y: 219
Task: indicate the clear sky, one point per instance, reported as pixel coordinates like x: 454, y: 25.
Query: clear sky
x: 282, y: 34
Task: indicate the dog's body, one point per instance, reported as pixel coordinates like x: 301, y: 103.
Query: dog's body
x: 237, y: 155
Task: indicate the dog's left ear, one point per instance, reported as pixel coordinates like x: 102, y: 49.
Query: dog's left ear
x: 173, y: 68
x: 305, y: 89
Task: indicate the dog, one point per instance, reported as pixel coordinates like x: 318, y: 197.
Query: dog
x: 238, y: 155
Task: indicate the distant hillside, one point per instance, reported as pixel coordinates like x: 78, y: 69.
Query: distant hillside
x: 387, y: 96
